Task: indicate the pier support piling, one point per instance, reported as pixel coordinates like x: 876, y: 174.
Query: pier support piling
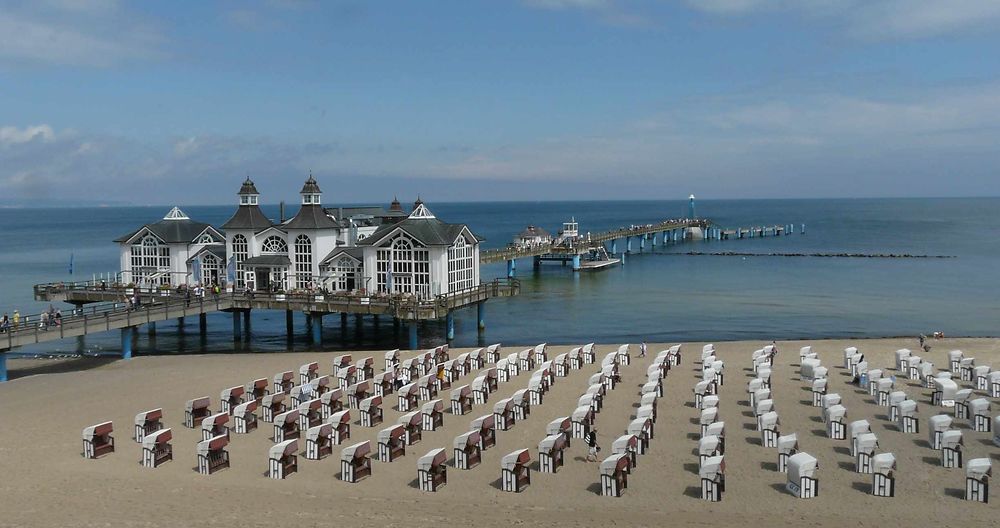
x: 246, y: 324
x: 81, y: 344
x: 576, y: 262
x: 203, y: 323
x: 628, y: 244
x: 642, y: 243
x: 614, y: 247
x: 3, y: 366
x: 180, y: 324
x: 237, y: 329
x: 511, y: 268
x: 449, y: 322
x: 151, y: 328
x: 413, y: 335
x: 481, y: 315
x: 317, y: 328
x: 289, y: 323
x: 537, y: 261
x: 343, y: 319
x: 127, y: 342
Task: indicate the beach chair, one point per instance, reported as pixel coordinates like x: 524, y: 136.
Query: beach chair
x: 563, y: 426
x: 331, y: 402
x: 937, y: 425
x: 514, y: 363
x: 413, y: 424
x: 480, y: 390
x: 492, y: 354
x: 827, y: 401
x: 407, y: 397
x: 592, y: 400
x: 872, y: 382
x: 428, y: 385
x: 244, y: 419
x: 927, y: 375
x: 540, y: 353
x: 611, y: 376
x: 575, y: 358
x: 382, y: 383
x: 550, y: 453
x: 884, y: 388
x: 342, y: 361
x: 522, y: 404
x: 981, y: 375
x: 944, y: 392
x: 640, y: 427
x: 650, y: 399
x: 286, y: 426
x: 197, y: 410
x: 769, y: 432
x: 966, y: 369
x: 802, y: 481
x: 547, y: 371
x: 866, y: 444
x: 674, y: 355
x: 347, y: 376
x: 283, y: 381
x: 805, y: 351
x: 464, y: 365
x: 624, y: 358
x: 895, y: 398
x: 654, y: 387
x: 97, y: 440
x: 952, y: 446
x: 449, y: 373
x: 884, y: 475
x: 977, y: 480
x: 308, y: 371
x: 503, y: 414
x: 486, y: 427
x: 708, y: 447
x: 994, y: 383
x: 902, y: 360
x: 156, y: 448
x: 433, y: 415
x: 299, y: 394
x: 701, y: 389
x: 355, y: 462
x: 310, y: 414
x: 807, y: 369
x: 272, y: 405
x: 391, y: 443
x: 854, y: 363
x: 835, y: 427
x: 954, y: 360
x: 913, y: 367
x: 371, y: 411
x: 491, y: 379
x: 147, y: 422
x: 589, y: 353
x: 461, y: 400
x: 319, y: 441
x: 758, y: 395
x: 718, y: 429
x: 849, y: 353
x: 979, y: 415
x: 647, y: 411
x: 466, y: 450
x: 282, y: 461
x: 215, y: 425
x: 855, y: 429
x: 515, y: 475
x: 707, y: 350
x: 255, y: 390
x: 996, y: 430
x: 358, y: 392
x: 788, y: 445
x: 627, y: 444
x: 408, y: 370
x: 391, y: 360
x: 713, y: 478
x: 614, y: 475
x: 560, y: 365
x: 432, y: 472
x: 365, y: 368
x: 764, y: 373
x: 212, y: 454
x: 909, y: 421
x: 320, y: 386
x: 341, y: 422
x: 582, y: 419
x: 763, y: 407
x: 708, y: 417
x: 503, y: 370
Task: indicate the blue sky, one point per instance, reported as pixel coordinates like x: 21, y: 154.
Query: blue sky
x: 153, y: 103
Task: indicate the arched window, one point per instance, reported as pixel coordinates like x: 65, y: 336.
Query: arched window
x: 274, y: 245
x: 150, y: 261
x: 240, y: 252
x: 345, y: 274
x: 460, y: 265
x: 303, y: 261
x: 211, y: 269
x: 410, y: 268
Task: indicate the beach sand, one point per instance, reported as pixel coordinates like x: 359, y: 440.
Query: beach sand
x: 46, y: 482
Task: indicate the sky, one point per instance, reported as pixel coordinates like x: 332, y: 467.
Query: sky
x: 103, y: 101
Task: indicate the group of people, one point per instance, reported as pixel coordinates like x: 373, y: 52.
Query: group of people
x: 7, y: 322
x: 47, y: 319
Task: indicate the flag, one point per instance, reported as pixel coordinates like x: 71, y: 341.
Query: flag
x: 196, y: 270
x: 388, y: 273
x: 231, y: 270
x: 71, y: 263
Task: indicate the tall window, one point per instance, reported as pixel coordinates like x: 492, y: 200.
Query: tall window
x: 411, y: 270
x: 241, y: 251
x: 303, y: 261
x: 274, y: 245
x: 211, y: 269
x: 345, y: 274
x: 150, y: 261
x: 460, y: 272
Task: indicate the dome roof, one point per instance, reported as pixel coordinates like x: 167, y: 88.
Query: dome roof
x: 310, y: 187
x: 248, y: 187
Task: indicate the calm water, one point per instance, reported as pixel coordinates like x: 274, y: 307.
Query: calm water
x: 657, y: 296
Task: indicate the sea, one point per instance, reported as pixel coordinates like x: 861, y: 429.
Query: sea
x: 659, y: 294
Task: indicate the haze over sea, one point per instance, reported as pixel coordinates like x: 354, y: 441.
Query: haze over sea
x: 657, y: 296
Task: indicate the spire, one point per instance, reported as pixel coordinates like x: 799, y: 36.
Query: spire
x: 395, y: 206
x: 248, y: 193
x: 311, y: 195
x: 420, y: 210
x: 176, y: 214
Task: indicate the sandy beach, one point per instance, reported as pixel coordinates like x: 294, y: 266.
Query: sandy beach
x: 48, y: 483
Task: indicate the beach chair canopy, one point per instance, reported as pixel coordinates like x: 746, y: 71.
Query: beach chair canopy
x: 231, y: 392
x: 212, y: 444
x: 287, y: 417
x: 433, y: 406
x: 616, y: 463
x: 552, y: 443
x: 836, y: 413
x: 867, y: 442
x: 895, y: 397
x: 951, y: 438
x: 979, y: 407
x: 215, y: 420
x: 559, y: 425
x: 148, y: 416
x: 370, y: 403
x: 504, y: 405
x: 638, y: 426
x: 712, y: 467
x: 940, y: 422
x: 359, y: 450
x: 283, y: 449
x: 805, y: 350
x: 651, y: 387
x: 484, y: 422
x: 311, y: 405
x: 586, y: 399
x: 257, y: 384
x: 434, y: 458
x: 520, y: 397
x: 389, y: 434
x: 479, y: 383
x: 461, y: 392
x: 561, y: 359
x: 955, y: 355
x: 769, y: 420
x: 645, y: 411
x: 702, y: 387
x: 715, y: 428
x: 203, y: 402
x: 883, y: 463
x: 412, y: 418
x: 819, y: 385
x: 340, y: 417
x: 495, y: 347
x: 271, y: 400
x: 947, y: 387
x: 245, y: 407
x: 392, y: 355
x: 829, y: 400
x: 331, y: 396
x: 788, y: 443
x: 582, y: 413
x: 908, y: 408
x: 859, y: 426
x: 157, y: 438
x: 283, y: 376
x: 625, y: 442
x: 763, y: 406
x: 320, y: 431
x: 514, y: 459
x: 410, y: 389
x: 309, y: 367
x: 978, y: 468
x: 649, y: 398
x: 466, y: 439
x: 801, y: 465
x: 709, y: 416
x: 885, y: 384
x: 708, y: 445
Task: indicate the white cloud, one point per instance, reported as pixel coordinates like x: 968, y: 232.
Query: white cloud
x: 10, y: 135
x: 874, y: 19
x: 71, y: 32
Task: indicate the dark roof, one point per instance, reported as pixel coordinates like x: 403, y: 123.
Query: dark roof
x: 311, y: 217
x: 310, y: 187
x: 219, y: 250
x: 248, y: 187
x: 248, y: 217
x: 171, y: 231
x: 267, y: 260
x: 356, y: 252
x: 396, y: 208
x: 428, y: 231
x: 533, y: 231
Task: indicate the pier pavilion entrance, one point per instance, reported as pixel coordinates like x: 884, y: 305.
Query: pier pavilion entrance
x: 267, y: 273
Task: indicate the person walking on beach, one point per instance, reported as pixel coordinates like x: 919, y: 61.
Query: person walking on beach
x: 592, y: 447
x: 642, y: 350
